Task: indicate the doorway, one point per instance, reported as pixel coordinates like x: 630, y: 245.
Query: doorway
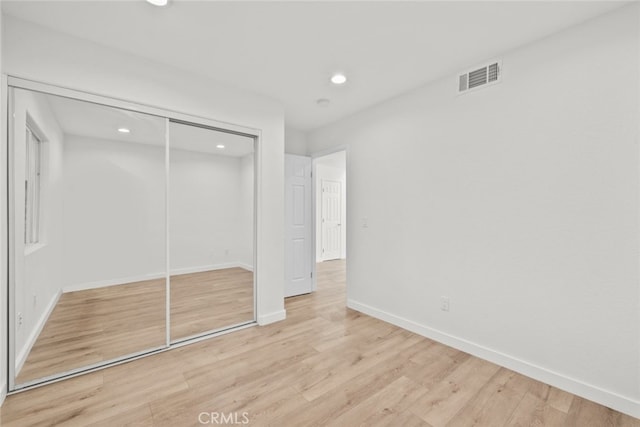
x: 329, y: 217
x: 316, y: 220
x: 330, y: 209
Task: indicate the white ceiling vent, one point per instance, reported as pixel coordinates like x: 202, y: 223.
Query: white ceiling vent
x: 475, y: 78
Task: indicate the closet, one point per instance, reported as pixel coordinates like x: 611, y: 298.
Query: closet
x: 131, y: 230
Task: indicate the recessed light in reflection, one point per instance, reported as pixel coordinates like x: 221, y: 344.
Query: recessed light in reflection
x: 123, y: 130
x: 220, y: 146
x: 338, y: 79
x: 158, y: 2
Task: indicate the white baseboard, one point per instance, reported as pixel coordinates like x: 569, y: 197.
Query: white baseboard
x: 110, y: 282
x: 132, y: 279
x: 607, y: 398
x: 33, y: 336
x: 276, y: 316
x: 245, y: 266
x: 203, y: 268
x: 3, y: 393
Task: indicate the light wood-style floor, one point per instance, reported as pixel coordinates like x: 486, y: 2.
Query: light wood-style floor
x: 324, y: 365
x: 92, y: 326
x: 202, y: 302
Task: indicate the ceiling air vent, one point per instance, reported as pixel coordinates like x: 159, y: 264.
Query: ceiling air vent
x: 480, y: 77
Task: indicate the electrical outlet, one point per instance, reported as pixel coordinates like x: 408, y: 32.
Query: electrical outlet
x: 444, y: 303
x: 34, y: 299
x: 19, y: 320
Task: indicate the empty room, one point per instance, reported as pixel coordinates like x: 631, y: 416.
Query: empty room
x: 344, y: 213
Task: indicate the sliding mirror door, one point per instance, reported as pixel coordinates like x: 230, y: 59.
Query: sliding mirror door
x: 87, y: 227
x: 128, y: 232
x: 211, y: 229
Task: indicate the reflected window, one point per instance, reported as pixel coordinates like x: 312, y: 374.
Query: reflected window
x: 32, y: 187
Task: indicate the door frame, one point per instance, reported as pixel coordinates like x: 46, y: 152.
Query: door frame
x: 314, y: 207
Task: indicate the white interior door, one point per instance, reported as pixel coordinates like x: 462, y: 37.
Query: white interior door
x: 298, y: 225
x: 331, y: 219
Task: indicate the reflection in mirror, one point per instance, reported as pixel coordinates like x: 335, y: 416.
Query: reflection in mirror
x: 211, y: 220
x: 88, y: 256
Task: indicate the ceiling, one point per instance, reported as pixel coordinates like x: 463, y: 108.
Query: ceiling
x: 288, y: 50
x: 91, y: 120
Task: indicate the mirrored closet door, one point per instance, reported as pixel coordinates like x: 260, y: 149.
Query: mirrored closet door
x: 130, y: 231
x: 88, y: 214
x: 211, y: 223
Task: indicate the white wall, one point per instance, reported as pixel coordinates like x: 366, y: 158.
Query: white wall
x: 295, y: 141
x: 3, y: 235
x: 210, y: 222
x: 114, y: 211
x: 39, y: 269
x: 519, y: 202
x: 82, y: 65
x: 326, y: 172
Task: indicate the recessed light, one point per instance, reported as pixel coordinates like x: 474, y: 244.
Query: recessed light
x: 323, y: 102
x: 220, y: 146
x: 338, y: 79
x: 123, y: 130
x: 158, y: 2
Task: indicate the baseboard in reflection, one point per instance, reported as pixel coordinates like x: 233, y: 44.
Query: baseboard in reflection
x: 155, y: 276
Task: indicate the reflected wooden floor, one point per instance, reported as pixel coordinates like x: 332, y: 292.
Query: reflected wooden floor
x: 202, y: 302
x: 324, y: 365
x: 92, y: 326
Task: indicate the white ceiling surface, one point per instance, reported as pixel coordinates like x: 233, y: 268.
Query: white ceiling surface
x: 98, y: 121
x: 288, y: 50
